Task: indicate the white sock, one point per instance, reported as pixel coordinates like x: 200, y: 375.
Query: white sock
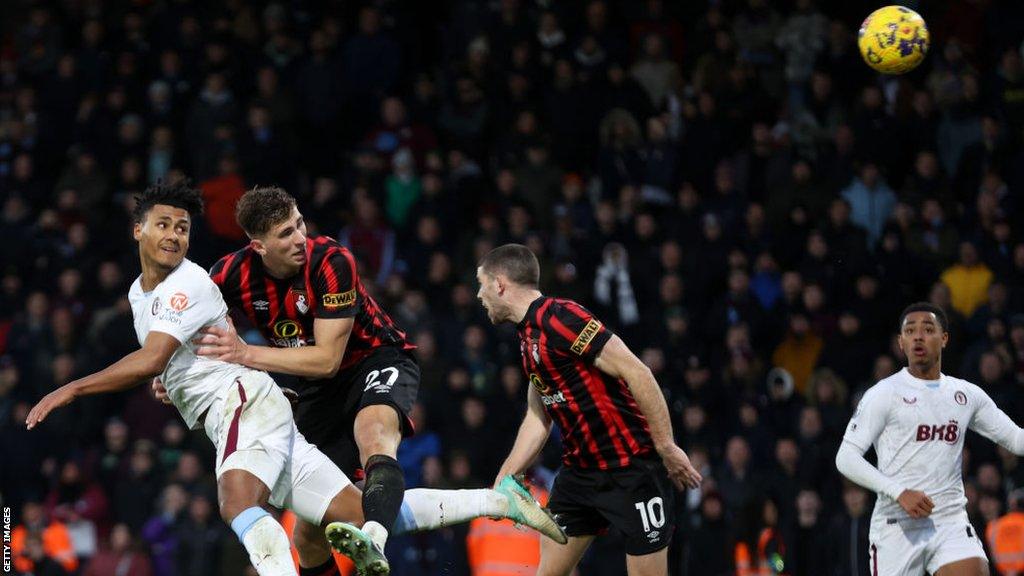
x: 268, y: 548
x: 377, y: 533
x: 427, y: 509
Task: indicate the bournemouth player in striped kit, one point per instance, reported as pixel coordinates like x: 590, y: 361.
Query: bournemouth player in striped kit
x: 619, y: 460
x: 358, y: 378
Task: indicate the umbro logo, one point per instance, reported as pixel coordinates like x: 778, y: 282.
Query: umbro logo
x: 261, y: 305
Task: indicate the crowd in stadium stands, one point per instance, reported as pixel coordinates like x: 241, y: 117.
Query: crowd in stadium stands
x: 724, y: 183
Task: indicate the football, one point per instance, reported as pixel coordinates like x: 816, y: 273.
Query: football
x: 893, y: 39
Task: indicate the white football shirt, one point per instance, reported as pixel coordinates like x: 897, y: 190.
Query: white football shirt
x: 185, y: 302
x: 917, y: 428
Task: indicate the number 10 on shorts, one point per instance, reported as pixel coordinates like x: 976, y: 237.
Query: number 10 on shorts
x: 652, y: 513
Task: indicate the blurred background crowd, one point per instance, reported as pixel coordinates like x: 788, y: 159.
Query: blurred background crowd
x: 724, y: 183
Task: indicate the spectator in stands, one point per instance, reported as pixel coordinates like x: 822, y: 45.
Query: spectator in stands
x: 968, y: 280
x: 121, y: 556
x: 36, y: 543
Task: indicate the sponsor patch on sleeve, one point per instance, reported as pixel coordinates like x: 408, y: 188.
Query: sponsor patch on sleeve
x: 342, y: 300
x: 586, y: 335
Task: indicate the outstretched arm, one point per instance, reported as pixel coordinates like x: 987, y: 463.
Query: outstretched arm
x: 533, y: 433
x: 139, y: 366
x: 616, y: 360
x: 321, y: 360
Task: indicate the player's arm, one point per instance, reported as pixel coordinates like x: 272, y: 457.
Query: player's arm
x: 533, y: 434
x: 618, y: 361
x: 996, y: 425
x: 133, y: 369
x: 863, y: 430
x: 320, y: 360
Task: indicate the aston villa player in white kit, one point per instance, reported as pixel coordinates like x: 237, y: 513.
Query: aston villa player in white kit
x: 916, y: 419
x: 261, y: 456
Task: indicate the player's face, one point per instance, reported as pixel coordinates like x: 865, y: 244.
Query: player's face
x: 284, y: 245
x: 163, y: 235
x: 922, y: 339
x: 490, y: 296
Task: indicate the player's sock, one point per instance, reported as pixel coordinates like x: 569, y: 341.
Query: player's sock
x: 265, y: 541
x: 382, y: 496
x: 427, y: 509
x: 329, y: 568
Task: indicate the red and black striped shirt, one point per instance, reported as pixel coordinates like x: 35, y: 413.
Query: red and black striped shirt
x: 328, y: 286
x: 602, y: 426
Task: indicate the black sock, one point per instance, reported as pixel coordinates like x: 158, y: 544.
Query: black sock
x: 383, y: 491
x: 329, y: 568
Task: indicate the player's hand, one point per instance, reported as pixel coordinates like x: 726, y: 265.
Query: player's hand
x: 60, y: 397
x: 916, y: 503
x: 159, y: 391
x: 680, y: 471
x: 221, y: 344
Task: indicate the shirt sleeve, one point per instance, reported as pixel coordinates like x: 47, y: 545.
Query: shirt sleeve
x: 573, y: 330
x: 869, y: 419
x: 851, y: 463
x: 185, y: 307
x: 335, y: 285
x: 992, y: 423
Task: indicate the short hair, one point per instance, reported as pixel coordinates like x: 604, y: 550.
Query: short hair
x: 924, y: 307
x: 515, y: 261
x: 262, y: 208
x: 179, y: 194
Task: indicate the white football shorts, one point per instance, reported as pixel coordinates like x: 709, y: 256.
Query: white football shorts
x: 252, y: 427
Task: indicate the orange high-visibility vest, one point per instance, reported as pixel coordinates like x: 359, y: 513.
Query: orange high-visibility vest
x: 1005, y: 538
x: 56, y: 545
x: 498, y: 548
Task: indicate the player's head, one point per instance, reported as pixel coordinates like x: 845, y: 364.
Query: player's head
x: 923, y: 333
x: 503, y: 272
x: 276, y: 229
x: 163, y: 219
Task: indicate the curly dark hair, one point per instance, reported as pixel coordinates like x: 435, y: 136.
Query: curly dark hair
x: 262, y: 208
x: 179, y: 194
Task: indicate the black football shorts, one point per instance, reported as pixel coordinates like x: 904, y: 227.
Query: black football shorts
x: 638, y: 500
x: 326, y: 413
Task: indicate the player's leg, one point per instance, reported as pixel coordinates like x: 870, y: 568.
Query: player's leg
x: 653, y: 564
x: 252, y: 429
x: 388, y: 380
x: 560, y: 559
x: 242, y: 498
x: 316, y: 417
x: 429, y: 509
x: 321, y: 495
x: 956, y: 550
